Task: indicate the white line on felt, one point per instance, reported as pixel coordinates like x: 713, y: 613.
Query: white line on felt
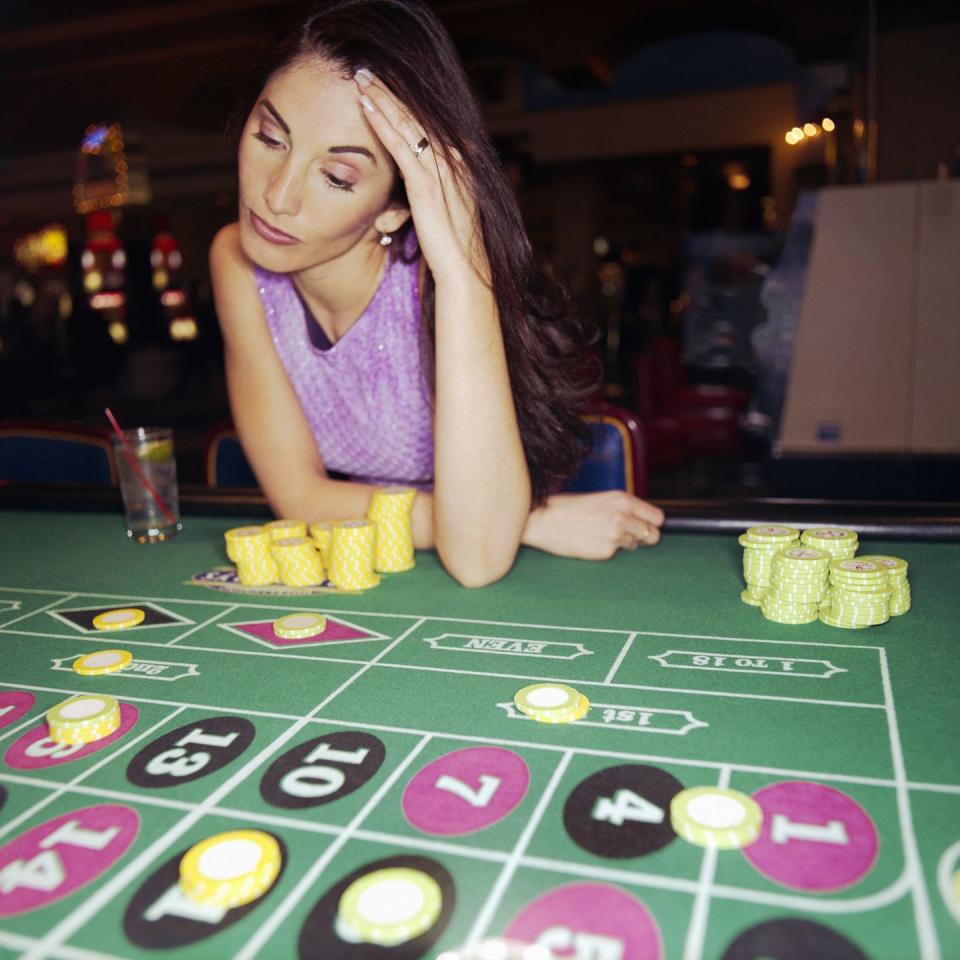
x: 526, y: 744
x: 53, y: 603
x: 280, y: 912
x: 945, y: 873
x: 624, y: 650
x: 117, y: 796
x: 874, y: 901
x: 64, y: 952
x: 131, y: 642
x: 618, y: 754
x: 496, y: 623
x: 697, y: 928
x: 540, y: 678
x: 485, y: 915
x: 30, y: 719
x: 200, y: 626
x: 92, y: 904
x: 926, y: 930
x: 80, y: 777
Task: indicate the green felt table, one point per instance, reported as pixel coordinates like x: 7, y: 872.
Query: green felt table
x: 391, y: 740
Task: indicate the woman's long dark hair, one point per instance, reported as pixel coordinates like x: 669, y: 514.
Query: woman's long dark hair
x: 403, y: 43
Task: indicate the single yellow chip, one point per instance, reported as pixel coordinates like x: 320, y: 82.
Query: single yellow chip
x: 230, y: 869
x: 300, y: 626
x: 715, y: 817
x: 119, y: 619
x: 551, y: 702
x: 390, y: 906
x: 102, y: 661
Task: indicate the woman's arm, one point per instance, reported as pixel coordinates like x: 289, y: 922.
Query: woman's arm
x: 269, y: 420
x: 481, y: 484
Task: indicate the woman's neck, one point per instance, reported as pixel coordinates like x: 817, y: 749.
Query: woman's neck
x: 337, y: 292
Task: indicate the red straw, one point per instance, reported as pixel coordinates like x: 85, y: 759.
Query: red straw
x: 132, y: 460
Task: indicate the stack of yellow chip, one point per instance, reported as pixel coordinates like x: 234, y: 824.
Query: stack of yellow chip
x: 249, y: 549
x: 389, y: 906
x: 716, y: 817
x: 281, y: 529
x: 840, y: 543
x: 320, y: 532
x: 897, y: 580
x: 551, y: 703
x: 859, y: 594
x: 230, y: 869
x: 798, y: 584
x: 83, y: 719
x: 298, y: 561
x: 352, y: 555
x: 760, y: 546
x: 390, y: 509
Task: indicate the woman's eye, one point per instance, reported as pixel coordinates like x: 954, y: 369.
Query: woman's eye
x: 269, y: 141
x: 337, y: 182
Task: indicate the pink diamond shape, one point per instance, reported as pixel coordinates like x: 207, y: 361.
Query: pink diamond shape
x: 334, y: 630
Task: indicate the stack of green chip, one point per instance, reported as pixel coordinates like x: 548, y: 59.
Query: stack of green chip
x: 760, y: 546
x: 840, y: 543
x: 859, y: 594
x: 897, y: 580
x: 798, y: 585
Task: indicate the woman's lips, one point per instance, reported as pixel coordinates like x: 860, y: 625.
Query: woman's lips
x: 271, y: 233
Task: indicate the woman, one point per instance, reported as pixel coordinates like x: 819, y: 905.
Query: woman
x: 381, y: 313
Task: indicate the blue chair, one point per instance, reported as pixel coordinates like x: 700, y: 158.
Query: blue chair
x: 45, y: 452
x: 616, y: 459
x: 617, y: 456
x: 226, y: 463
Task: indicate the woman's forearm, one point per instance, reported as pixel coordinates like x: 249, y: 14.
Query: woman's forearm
x: 482, y: 488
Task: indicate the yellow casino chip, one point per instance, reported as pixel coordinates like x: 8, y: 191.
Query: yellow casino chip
x: 102, y: 661
x: 83, y: 718
x: 551, y: 702
x: 715, y: 817
x: 300, y: 626
x: 119, y: 619
x: 389, y: 907
x: 230, y: 869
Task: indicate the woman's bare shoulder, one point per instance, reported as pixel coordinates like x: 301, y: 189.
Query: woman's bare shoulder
x: 225, y: 250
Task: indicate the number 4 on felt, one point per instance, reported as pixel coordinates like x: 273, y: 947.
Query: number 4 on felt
x: 478, y: 797
x: 626, y: 805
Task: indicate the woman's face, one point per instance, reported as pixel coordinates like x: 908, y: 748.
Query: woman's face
x: 313, y: 176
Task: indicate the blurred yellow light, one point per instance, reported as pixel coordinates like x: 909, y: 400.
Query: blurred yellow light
x: 160, y: 279
x: 738, y: 181
x: 811, y: 129
x: 118, y: 332
x: 183, y: 328
x: 827, y: 124
x: 798, y: 133
x: 93, y: 281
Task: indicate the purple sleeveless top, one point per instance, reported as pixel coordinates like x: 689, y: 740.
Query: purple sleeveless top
x: 366, y: 397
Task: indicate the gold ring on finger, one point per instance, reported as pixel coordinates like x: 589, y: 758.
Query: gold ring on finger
x: 420, y: 146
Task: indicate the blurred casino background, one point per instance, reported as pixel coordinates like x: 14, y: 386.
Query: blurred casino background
x: 676, y: 163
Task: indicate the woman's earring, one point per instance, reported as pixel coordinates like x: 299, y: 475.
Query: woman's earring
x: 385, y: 239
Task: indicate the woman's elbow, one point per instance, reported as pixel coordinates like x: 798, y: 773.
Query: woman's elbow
x: 473, y: 569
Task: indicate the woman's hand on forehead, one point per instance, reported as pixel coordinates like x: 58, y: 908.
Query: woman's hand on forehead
x: 438, y: 187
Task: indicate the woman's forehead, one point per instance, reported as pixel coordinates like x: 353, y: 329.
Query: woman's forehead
x: 319, y: 104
